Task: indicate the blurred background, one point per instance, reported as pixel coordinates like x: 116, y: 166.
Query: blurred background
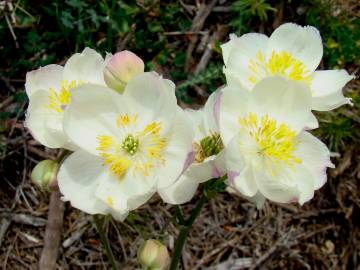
x: 179, y: 39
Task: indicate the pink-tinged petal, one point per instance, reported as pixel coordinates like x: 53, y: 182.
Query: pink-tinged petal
x: 121, y: 68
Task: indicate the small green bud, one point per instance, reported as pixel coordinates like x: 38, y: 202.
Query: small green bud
x: 153, y: 255
x: 44, y: 173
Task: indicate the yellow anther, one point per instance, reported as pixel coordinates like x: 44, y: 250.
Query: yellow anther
x: 140, y: 151
x: 110, y: 201
x: 275, y: 141
x: 280, y: 63
x: 125, y: 119
x: 58, y: 100
x: 105, y: 142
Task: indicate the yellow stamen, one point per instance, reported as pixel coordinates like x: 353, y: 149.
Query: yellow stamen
x: 57, y: 101
x: 105, y: 142
x: 140, y: 151
x: 275, y: 141
x: 280, y: 63
x: 125, y: 119
x: 110, y: 201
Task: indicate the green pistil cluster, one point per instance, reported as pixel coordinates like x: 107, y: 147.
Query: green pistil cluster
x: 209, y: 146
x: 130, y: 144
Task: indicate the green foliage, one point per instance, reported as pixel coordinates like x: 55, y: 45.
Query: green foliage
x: 340, y: 32
x: 208, y: 79
x: 247, y: 10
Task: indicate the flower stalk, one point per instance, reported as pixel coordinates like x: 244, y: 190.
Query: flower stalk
x: 99, y: 223
x: 211, y: 188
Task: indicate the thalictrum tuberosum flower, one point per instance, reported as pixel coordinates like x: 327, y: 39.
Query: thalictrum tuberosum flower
x: 49, y: 90
x: 268, y: 153
x: 207, y: 159
x: 291, y: 51
x: 132, y: 145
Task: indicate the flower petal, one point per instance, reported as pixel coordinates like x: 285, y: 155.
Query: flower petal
x: 78, y: 178
x: 181, y: 191
x: 289, y: 185
x: 327, y: 89
x: 86, y: 67
x: 303, y: 43
x: 235, y: 102
x: 152, y: 95
x: 210, y: 121
x: 237, y: 54
x: 43, y: 78
x: 92, y: 112
x: 315, y: 157
x: 45, y: 124
x: 126, y: 193
x: 179, y: 144
x: 285, y: 100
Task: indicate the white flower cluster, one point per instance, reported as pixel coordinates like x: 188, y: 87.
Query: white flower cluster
x: 130, y: 139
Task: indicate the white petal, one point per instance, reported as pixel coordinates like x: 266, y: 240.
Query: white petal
x: 126, y: 193
x: 315, y: 157
x: 245, y: 182
x: 45, y: 124
x: 210, y: 120
x: 219, y: 164
x: 289, y: 185
x: 92, y: 112
x: 327, y: 89
x: 202, y: 172
x: 181, y: 191
x: 197, y: 118
x: 236, y: 159
x: 78, y: 179
x: 235, y: 102
x: 285, y: 100
x: 43, y: 78
x: 117, y: 216
x: 152, y: 95
x: 86, y: 67
x: 303, y: 43
x: 238, y: 52
x: 179, y: 144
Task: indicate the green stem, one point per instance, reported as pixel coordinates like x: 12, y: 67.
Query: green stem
x: 210, y: 189
x: 99, y: 222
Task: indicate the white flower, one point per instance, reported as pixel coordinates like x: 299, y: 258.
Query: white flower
x: 207, y: 159
x: 49, y: 90
x: 132, y: 144
x: 268, y: 153
x: 291, y: 51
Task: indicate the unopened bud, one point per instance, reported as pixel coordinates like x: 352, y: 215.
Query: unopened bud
x: 153, y: 255
x: 121, y: 67
x: 44, y: 173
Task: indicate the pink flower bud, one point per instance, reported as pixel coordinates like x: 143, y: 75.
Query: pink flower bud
x: 120, y: 68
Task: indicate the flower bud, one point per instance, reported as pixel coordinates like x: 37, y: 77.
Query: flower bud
x: 44, y: 173
x: 120, y: 68
x: 153, y: 255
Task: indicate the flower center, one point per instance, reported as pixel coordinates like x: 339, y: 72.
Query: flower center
x: 130, y: 144
x: 275, y: 141
x: 139, y: 150
x: 280, y: 63
x: 59, y: 100
x: 208, y: 146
